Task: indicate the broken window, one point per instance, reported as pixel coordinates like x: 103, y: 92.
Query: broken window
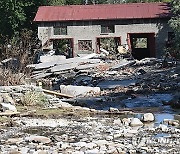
x: 63, y: 47
x: 108, y: 43
x: 107, y: 29
x: 60, y: 30
x: 85, y: 45
x: 139, y: 42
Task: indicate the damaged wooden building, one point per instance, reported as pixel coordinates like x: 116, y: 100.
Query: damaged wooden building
x: 84, y: 29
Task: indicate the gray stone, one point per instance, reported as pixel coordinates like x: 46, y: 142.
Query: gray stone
x: 111, y: 109
x: 77, y: 152
x: 135, y: 122
x: 171, y: 122
x: 80, y: 144
x: 7, y: 106
x: 62, y: 105
x: 101, y: 142
x: 117, y: 122
x: 38, y: 139
x: 93, y: 151
x: 126, y: 121
x: 41, y: 152
x: 164, y: 128
x: 90, y: 145
x: 14, y: 140
x: 148, y: 117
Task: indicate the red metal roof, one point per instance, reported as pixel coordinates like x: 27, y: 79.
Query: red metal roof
x: 102, y: 12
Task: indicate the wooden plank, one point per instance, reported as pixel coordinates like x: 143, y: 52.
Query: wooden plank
x: 57, y: 94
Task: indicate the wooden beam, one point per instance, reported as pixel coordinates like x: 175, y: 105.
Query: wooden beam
x: 57, y: 94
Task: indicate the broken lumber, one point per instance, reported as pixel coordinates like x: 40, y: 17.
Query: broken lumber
x: 56, y: 93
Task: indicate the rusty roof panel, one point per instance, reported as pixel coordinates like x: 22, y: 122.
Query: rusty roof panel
x: 102, y: 12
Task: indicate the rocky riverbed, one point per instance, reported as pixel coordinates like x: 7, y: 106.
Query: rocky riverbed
x: 91, y: 135
x: 134, y: 111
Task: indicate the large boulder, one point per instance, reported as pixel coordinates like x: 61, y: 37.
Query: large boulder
x: 79, y: 90
x: 135, y: 122
x: 148, y: 117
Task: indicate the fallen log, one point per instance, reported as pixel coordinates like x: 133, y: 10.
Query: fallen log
x: 57, y: 94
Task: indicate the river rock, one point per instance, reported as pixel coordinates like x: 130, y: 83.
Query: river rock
x: 38, y: 139
x: 7, y: 98
x: 135, y: 122
x: 14, y: 140
x: 14, y: 152
x: 62, y: 105
x: 7, y: 106
x: 41, y: 152
x: 148, y: 117
x: 117, y: 122
x: 126, y: 121
x: 164, y: 128
x: 93, y: 151
x: 111, y: 109
x: 171, y: 122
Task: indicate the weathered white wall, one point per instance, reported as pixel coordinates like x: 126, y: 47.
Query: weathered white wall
x: 90, y: 31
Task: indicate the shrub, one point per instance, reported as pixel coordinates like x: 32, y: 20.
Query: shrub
x: 35, y: 98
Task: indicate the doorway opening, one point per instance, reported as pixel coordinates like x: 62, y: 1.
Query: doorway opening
x: 64, y: 47
x: 142, y: 45
x: 110, y: 44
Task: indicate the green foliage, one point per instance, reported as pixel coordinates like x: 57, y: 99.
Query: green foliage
x: 56, y: 2
x: 64, y: 2
x: 16, y: 15
x: 175, y: 24
x: 12, y: 16
x: 140, y: 1
x: 20, y: 46
x: 34, y: 98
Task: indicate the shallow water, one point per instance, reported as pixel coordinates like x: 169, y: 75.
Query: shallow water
x: 147, y: 100
x: 109, y: 84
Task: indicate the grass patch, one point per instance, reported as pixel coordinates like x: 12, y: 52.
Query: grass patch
x: 34, y: 98
x: 4, y: 119
x: 39, y: 112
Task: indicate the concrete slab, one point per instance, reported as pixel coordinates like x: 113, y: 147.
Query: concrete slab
x: 64, y: 67
x: 41, y: 75
x: 51, y: 58
x: 81, y: 67
x: 123, y: 63
x: 78, y: 90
